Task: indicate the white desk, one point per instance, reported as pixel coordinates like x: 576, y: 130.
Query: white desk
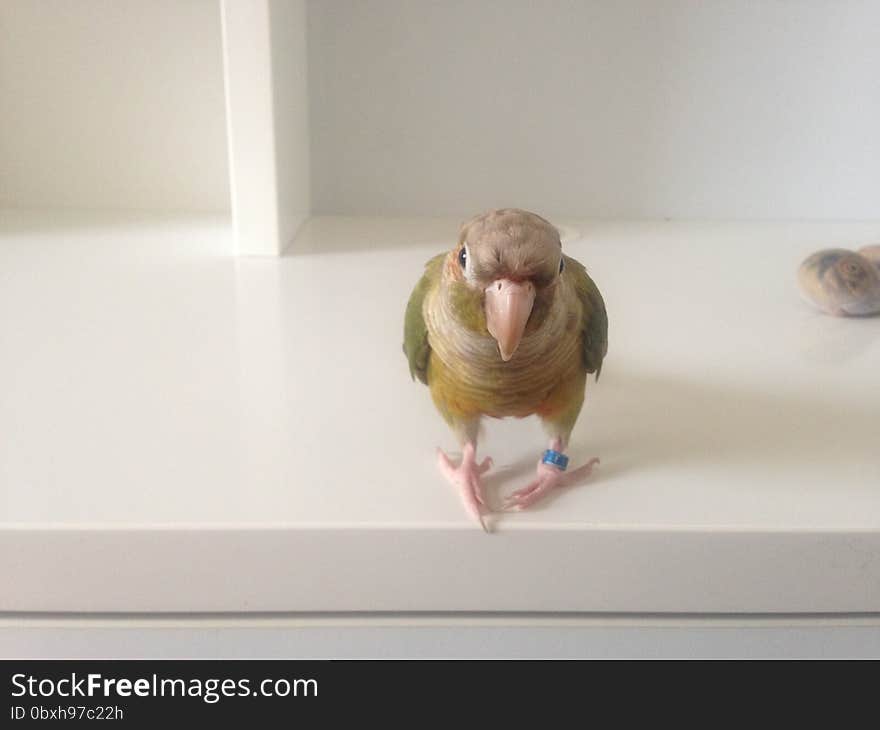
x: 185, y: 431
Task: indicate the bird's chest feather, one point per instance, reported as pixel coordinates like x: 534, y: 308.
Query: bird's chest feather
x: 467, y: 375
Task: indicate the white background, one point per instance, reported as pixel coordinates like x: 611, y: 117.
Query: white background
x: 112, y: 103
x: 638, y: 108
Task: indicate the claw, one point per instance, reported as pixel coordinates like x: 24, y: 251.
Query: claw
x: 466, y: 478
x: 548, y: 478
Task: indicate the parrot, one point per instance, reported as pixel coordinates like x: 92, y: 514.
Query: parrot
x: 504, y: 324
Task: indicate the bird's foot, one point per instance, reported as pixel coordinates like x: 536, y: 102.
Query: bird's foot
x: 548, y: 478
x: 466, y: 478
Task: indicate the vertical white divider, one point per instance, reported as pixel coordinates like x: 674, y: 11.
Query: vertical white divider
x: 266, y: 81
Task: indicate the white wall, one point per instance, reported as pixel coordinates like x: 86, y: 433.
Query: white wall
x: 681, y: 108
x: 112, y: 103
x: 646, y: 108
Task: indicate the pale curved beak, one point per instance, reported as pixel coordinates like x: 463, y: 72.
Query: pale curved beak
x: 508, y: 306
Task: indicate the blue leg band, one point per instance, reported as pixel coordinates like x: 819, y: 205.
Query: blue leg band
x: 555, y: 458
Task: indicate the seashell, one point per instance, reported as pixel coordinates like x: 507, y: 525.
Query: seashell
x: 841, y: 282
x: 872, y: 253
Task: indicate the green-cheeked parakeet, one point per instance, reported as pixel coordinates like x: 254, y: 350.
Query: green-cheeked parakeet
x: 505, y: 324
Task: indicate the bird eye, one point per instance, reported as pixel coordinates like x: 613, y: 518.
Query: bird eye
x: 462, y: 257
x: 562, y: 264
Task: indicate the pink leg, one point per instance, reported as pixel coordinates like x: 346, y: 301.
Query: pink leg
x: 548, y: 478
x: 466, y: 478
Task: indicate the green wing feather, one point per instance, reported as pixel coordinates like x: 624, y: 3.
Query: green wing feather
x: 595, y: 327
x: 415, y: 331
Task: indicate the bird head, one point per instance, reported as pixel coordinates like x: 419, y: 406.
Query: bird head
x: 502, y: 274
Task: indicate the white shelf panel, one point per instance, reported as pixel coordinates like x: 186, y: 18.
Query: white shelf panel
x: 460, y: 636
x: 187, y: 430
